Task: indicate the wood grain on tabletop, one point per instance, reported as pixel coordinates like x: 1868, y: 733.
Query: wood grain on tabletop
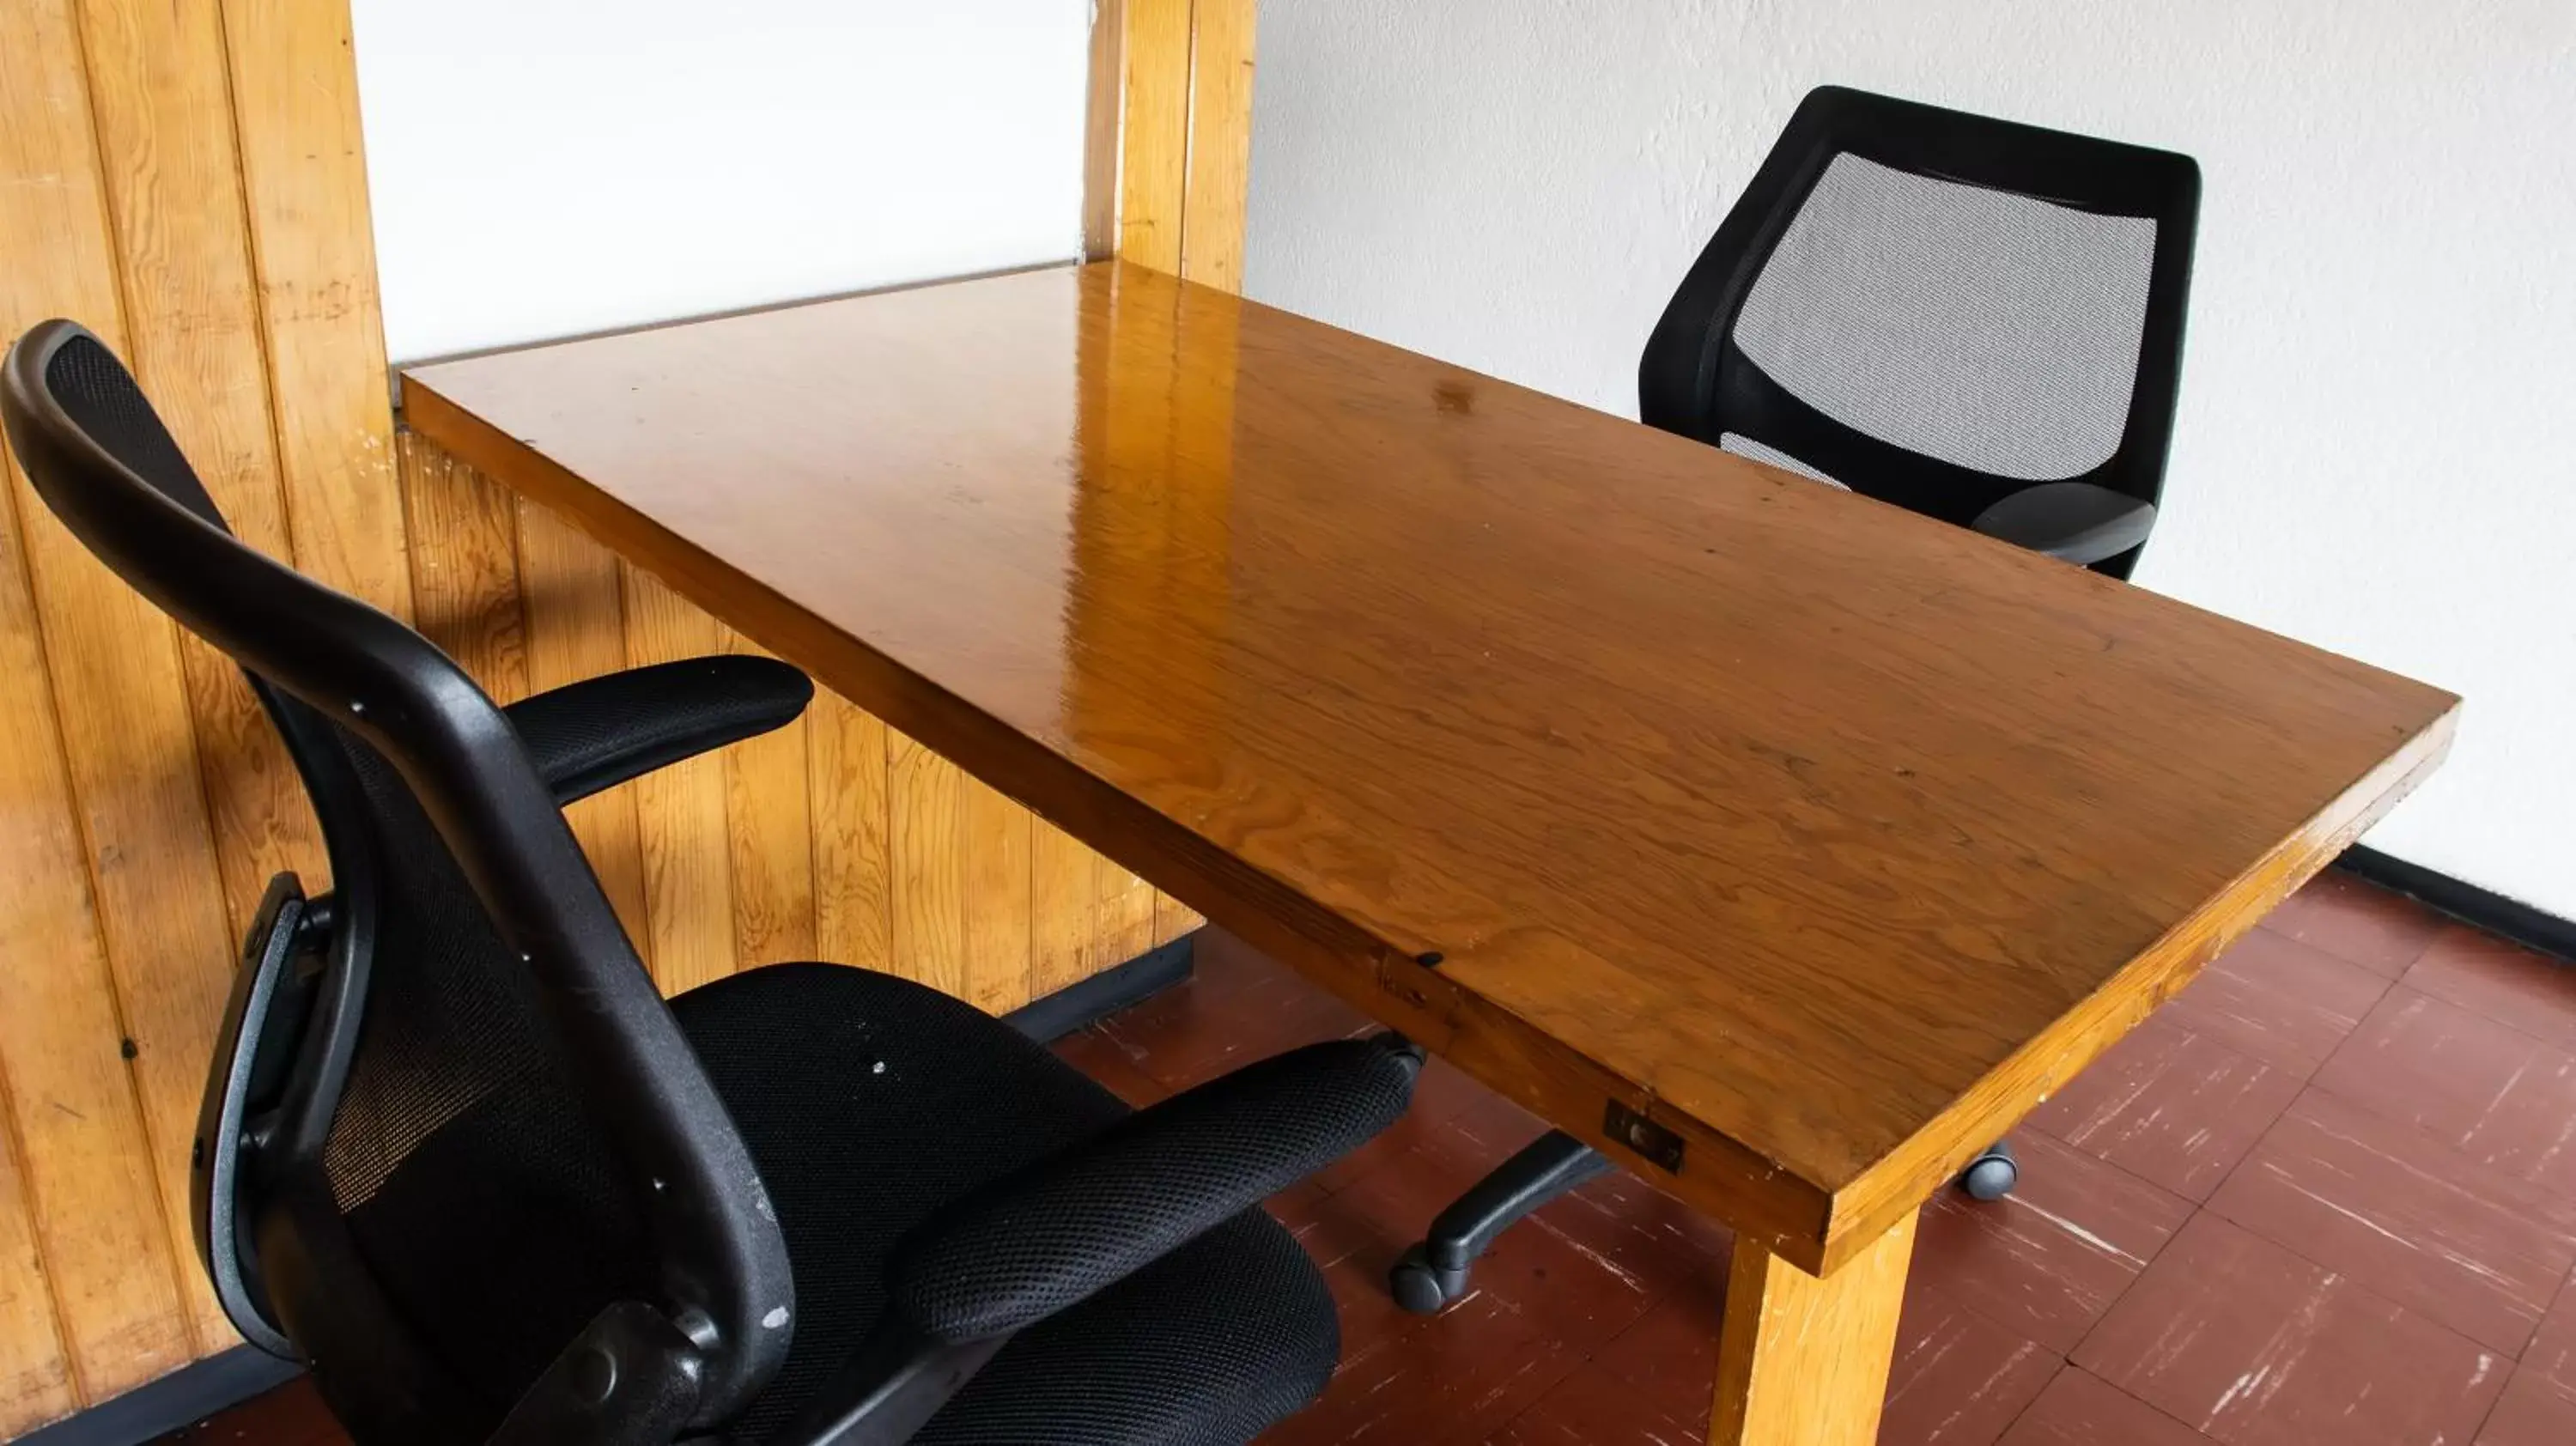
x: 1830, y: 837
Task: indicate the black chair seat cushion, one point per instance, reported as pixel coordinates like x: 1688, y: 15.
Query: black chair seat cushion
x: 870, y: 1102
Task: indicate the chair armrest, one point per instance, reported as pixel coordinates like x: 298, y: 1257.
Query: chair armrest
x: 2076, y: 521
x: 1048, y: 1237
x: 600, y: 732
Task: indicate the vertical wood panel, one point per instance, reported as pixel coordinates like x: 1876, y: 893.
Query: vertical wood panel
x: 995, y: 834
x: 35, y: 1380
x: 1107, y: 107
x: 79, y: 1207
x: 85, y: 1145
x: 769, y: 826
x: 576, y: 622
x: 680, y: 810
x: 1172, y: 918
x: 853, y: 886
x: 1122, y: 915
x: 1220, y: 147
x: 929, y: 895
x: 304, y: 177
x: 160, y: 91
x: 465, y: 544
x: 1154, y: 137
x: 1061, y: 898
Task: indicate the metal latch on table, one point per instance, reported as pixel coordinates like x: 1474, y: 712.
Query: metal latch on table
x: 1643, y: 1136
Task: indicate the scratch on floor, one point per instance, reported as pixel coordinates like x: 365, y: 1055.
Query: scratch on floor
x: 2079, y: 1232
x: 1595, y: 1256
x: 2354, y: 1216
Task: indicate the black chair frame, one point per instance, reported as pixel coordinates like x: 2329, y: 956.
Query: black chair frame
x: 1694, y: 381
x: 315, y: 654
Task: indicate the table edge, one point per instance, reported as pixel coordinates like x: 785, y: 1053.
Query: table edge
x: 1900, y: 1181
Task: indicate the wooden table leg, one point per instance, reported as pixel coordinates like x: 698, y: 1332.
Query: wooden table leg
x: 1802, y: 1361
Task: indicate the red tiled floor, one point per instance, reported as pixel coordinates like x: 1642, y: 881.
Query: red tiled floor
x: 2080, y: 1409
x: 1484, y: 1365
x: 2407, y: 1225
x: 1592, y: 1407
x: 2502, y: 981
x: 1093, y: 1053
x: 2278, y: 1001
x: 2255, y: 1346
x: 1959, y: 1379
x: 2354, y: 921
x: 2491, y: 1092
x: 1669, y: 1357
x: 1638, y: 1236
x: 2173, y: 1107
x: 2048, y: 1260
x: 2384, y: 1205
x: 2552, y: 1351
x: 2533, y: 1411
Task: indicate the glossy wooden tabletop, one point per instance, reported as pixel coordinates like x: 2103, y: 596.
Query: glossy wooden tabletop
x: 1825, y: 837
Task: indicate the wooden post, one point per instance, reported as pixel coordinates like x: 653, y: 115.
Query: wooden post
x: 1170, y: 136
x: 1803, y: 1361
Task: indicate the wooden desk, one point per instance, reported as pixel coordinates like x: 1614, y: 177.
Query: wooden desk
x: 1637, y: 779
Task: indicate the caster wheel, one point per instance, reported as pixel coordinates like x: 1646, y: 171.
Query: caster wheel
x: 1422, y: 1288
x: 1992, y: 1175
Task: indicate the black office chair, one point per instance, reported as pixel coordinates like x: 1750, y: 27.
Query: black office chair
x: 1975, y: 320
x: 457, y: 1154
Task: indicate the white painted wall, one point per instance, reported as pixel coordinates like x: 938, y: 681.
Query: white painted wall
x: 2377, y: 444
x: 542, y: 168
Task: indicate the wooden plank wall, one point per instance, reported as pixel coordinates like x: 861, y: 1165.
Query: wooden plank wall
x: 186, y: 178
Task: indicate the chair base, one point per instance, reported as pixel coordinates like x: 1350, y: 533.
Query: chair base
x: 1992, y: 1175
x: 1434, y: 1274
x: 1421, y: 1287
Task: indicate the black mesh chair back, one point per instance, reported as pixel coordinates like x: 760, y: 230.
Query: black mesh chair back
x: 1938, y: 309
x: 485, y: 1128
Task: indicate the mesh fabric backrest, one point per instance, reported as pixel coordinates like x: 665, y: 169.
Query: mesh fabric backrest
x: 94, y: 391
x: 466, y: 1167
x: 1985, y: 329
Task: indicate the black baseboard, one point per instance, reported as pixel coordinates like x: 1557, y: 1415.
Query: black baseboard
x: 221, y: 1382
x: 1107, y: 992
x: 2505, y: 918
x: 182, y: 1398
